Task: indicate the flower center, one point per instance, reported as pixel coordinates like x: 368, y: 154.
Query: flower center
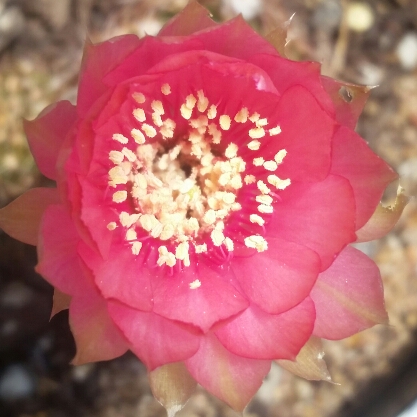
x: 181, y: 185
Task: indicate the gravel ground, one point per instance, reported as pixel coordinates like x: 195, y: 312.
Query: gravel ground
x: 373, y: 43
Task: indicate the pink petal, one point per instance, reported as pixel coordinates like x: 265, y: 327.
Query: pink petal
x: 213, y: 296
x: 59, y: 262
x: 348, y: 296
x: 286, y: 74
x: 98, y: 60
x: 122, y: 276
x: 96, y: 336
x: 22, y: 217
x: 368, y: 174
x: 383, y: 219
x: 172, y: 385
x: 229, y: 377
x: 259, y: 335
x: 47, y: 132
x: 192, y: 18
x: 279, y: 278
x: 349, y: 100
x: 61, y: 301
x: 154, y: 339
x: 320, y: 216
x: 309, y: 363
x: 234, y: 38
x: 306, y: 135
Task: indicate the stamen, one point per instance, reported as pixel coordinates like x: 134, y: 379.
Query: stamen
x: 116, y: 157
x: 112, y: 226
x: 257, y: 132
x: 264, y: 199
x: 120, y: 196
x: 217, y: 237
x: 195, y: 284
x: 231, y: 151
x: 225, y: 121
x: 139, y: 98
x: 258, y: 162
x: 249, y: 179
x: 139, y: 115
x: 254, y: 145
x: 202, y: 101
x: 279, y: 157
x: 263, y: 208
x: 278, y: 182
x: 255, y: 218
x: 270, y: 165
x: 166, y: 89
x: 256, y: 242
x: 120, y: 138
x: 149, y: 130
x: 242, y: 115
x: 138, y: 136
x: 275, y: 131
x: 212, y: 112
x: 136, y: 247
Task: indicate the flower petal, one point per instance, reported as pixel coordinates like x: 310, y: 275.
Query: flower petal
x: 306, y: 135
x: 229, y: 377
x: 367, y: 173
x: 349, y: 100
x: 383, y: 219
x: 200, y: 295
x: 259, y: 335
x: 192, y: 18
x: 98, y: 60
x: 47, y: 132
x: 172, y: 385
x: 22, y: 217
x: 96, y: 336
x: 309, y: 363
x: 320, y: 216
x: 59, y: 262
x: 61, y: 301
x: 279, y: 278
x: 154, y: 339
x: 348, y: 296
x: 122, y: 276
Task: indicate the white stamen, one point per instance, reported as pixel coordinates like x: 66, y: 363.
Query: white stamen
x: 120, y: 138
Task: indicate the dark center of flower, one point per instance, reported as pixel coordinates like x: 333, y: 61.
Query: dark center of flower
x: 181, y: 185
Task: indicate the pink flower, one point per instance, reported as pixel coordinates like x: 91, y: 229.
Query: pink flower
x: 208, y: 191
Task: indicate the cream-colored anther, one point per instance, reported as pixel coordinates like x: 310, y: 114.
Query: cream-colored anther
x: 242, y: 115
x: 131, y: 157
x: 111, y: 225
x: 139, y: 115
x: 229, y: 198
x: 256, y: 242
x: 138, y: 136
x: 249, y: 179
x: 229, y: 244
x: 265, y: 209
x: 157, y: 107
x: 195, y: 284
x: 215, y: 133
x: 120, y: 196
x: 264, y: 199
x: 212, y: 112
x: 139, y: 98
x: 148, y: 221
x: 190, y: 101
x: 117, y: 176
x: 201, y: 248
x: 255, y: 218
x: 149, y: 130
x: 262, y: 187
x: 186, y: 112
x: 270, y: 165
x: 257, y: 132
x: 157, y: 229
x: 217, y: 237
x: 120, y: 138
x: 280, y: 155
x: 225, y: 122
x: 209, y: 217
x: 136, y: 247
x: 261, y: 122
x: 254, y: 117
x: 181, y: 252
x: 278, y: 182
x: 140, y: 180
x: 166, y: 257
x: 236, y: 182
x: 131, y: 234
x: 258, y: 162
x: 166, y: 89
x: 157, y: 120
x: 275, y: 131
x: 254, y: 145
x: 231, y: 151
x: 167, y: 232
x: 116, y: 157
x: 203, y: 102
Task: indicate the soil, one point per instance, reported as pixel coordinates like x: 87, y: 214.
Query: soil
x: 373, y: 43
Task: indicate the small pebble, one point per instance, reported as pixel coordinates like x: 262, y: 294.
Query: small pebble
x: 249, y: 8
x: 407, y: 51
x: 16, y: 383
x: 360, y: 16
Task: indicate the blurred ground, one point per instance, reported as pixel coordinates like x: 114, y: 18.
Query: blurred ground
x: 373, y: 43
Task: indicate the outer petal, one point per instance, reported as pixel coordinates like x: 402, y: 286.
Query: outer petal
x: 306, y: 134
x: 22, y: 217
x: 96, y: 336
x: 98, y: 60
x: 259, y: 335
x: 121, y: 276
x: 368, y: 174
x: 349, y: 100
x: 61, y: 301
x: 154, y: 339
x: 192, y: 18
x: 229, y: 377
x: 172, y: 385
x: 320, y: 216
x: 348, y: 296
x: 47, y: 132
x: 212, y: 297
x: 309, y: 363
x: 383, y: 219
x: 278, y: 38
x: 59, y: 262
x: 279, y: 278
